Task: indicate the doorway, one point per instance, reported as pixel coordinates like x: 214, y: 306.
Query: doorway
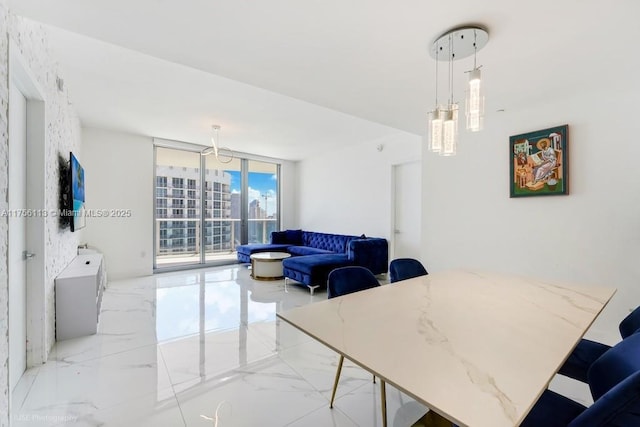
x: 17, y: 251
x: 407, y: 212
x: 26, y: 237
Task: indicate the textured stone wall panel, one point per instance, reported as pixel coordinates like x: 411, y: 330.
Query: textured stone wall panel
x: 63, y: 135
x: 4, y: 225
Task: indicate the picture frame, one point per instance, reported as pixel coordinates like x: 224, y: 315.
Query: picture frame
x: 539, y: 163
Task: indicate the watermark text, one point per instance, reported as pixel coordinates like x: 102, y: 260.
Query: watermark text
x: 45, y: 418
x: 54, y: 213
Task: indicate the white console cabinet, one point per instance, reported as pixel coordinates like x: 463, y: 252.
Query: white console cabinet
x: 79, y: 291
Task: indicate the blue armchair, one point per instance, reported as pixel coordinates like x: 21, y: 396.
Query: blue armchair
x: 614, y: 380
x: 405, y: 268
x: 587, y: 351
x: 346, y: 280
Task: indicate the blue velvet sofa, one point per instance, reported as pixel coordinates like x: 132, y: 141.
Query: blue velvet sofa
x: 314, y: 255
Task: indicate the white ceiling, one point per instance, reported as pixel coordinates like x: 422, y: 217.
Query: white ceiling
x: 286, y: 78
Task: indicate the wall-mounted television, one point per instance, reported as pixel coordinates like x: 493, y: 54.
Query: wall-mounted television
x: 76, y: 193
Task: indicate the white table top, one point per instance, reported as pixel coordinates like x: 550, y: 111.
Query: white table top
x: 478, y: 348
x: 268, y: 256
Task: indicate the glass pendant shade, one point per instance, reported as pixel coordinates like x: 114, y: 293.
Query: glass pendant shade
x: 436, y: 122
x: 450, y: 131
x: 475, y: 102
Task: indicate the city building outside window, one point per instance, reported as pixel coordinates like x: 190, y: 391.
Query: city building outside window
x: 207, y: 224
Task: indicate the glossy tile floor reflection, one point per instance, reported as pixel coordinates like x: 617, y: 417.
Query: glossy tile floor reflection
x: 175, y: 348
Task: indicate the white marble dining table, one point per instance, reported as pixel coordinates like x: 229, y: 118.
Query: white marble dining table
x: 476, y: 348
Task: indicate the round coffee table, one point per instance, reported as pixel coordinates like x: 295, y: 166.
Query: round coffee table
x: 267, y: 265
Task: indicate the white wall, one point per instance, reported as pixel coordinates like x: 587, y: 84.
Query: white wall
x: 591, y: 236
x: 348, y: 191
x: 119, y: 175
x: 289, y: 195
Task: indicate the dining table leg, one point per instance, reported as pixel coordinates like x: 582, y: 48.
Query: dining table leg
x: 383, y: 402
x: 335, y: 382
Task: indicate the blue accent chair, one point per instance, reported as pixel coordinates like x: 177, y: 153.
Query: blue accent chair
x: 614, y: 380
x: 630, y: 324
x: 587, y: 351
x: 405, y: 268
x: 346, y: 280
x: 343, y: 281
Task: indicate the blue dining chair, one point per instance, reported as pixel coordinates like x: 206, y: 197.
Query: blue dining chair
x: 405, y: 268
x: 587, y: 351
x: 614, y: 381
x: 343, y: 281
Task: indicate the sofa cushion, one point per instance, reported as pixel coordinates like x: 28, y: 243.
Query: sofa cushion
x: 244, y: 252
x: 313, y: 269
x: 306, y: 250
x: 263, y: 247
x: 336, y: 243
x: 310, y: 263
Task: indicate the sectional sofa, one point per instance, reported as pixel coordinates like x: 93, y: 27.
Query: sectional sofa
x: 314, y: 255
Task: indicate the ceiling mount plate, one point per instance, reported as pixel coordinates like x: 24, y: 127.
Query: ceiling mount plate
x: 463, y: 41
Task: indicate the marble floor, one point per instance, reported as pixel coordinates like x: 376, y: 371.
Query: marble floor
x: 200, y: 348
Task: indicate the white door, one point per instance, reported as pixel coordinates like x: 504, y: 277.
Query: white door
x: 407, y: 215
x: 17, y: 235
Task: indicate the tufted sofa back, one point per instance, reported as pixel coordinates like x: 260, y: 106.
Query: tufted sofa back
x: 337, y: 243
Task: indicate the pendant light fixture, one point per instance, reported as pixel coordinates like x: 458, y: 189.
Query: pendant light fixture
x: 436, y: 120
x: 222, y: 154
x: 450, y: 125
x: 443, y: 120
x: 475, y: 94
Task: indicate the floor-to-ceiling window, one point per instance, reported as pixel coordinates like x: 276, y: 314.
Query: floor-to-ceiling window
x: 177, y: 206
x: 204, y: 208
x: 221, y: 209
x: 263, y: 200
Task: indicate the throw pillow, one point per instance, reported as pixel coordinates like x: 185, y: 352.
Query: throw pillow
x: 278, y: 237
x: 294, y: 237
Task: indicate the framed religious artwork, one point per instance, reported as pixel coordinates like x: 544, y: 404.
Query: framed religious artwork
x: 539, y: 163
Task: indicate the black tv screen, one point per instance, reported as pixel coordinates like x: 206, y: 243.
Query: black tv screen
x: 76, y: 183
